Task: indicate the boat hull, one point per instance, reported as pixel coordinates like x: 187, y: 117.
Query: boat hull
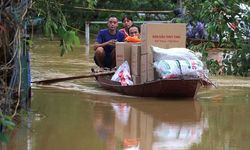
x: 157, y: 88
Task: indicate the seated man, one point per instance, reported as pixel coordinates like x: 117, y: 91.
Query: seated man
x: 134, y: 34
x: 134, y: 30
x: 105, y: 44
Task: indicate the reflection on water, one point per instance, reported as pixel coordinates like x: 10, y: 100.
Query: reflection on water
x: 122, y: 111
x: 73, y: 120
x: 154, y: 125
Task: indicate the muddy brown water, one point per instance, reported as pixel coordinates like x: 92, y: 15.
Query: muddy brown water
x: 79, y: 115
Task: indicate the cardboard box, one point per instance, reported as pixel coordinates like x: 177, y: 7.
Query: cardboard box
x: 164, y: 35
x: 135, y: 59
x: 136, y: 79
x: 123, y: 53
x: 143, y: 70
x: 144, y: 39
x: 150, y: 67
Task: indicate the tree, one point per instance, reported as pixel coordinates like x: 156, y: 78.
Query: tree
x: 227, y: 23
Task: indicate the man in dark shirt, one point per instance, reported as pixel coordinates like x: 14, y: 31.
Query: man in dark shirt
x: 105, y: 44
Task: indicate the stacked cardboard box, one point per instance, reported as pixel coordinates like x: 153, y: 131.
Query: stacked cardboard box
x: 130, y: 52
x: 136, y: 62
x: 123, y: 53
x: 164, y: 35
x: 139, y: 55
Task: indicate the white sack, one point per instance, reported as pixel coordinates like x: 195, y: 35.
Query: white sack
x: 168, y: 69
x: 173, y: 54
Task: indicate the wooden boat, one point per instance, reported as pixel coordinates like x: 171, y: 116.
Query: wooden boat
x: 185, y: 87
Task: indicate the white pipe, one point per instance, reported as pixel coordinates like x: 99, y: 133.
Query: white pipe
x: 87, y: 35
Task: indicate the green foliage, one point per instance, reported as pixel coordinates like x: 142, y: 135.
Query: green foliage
x: 4, y: 138
x: 218, y: 15
x: 213, y: 66
x: 5, y: 123
x: 50, y: 27
x: 76, y: 13
x: 29, y: 43
x: 238, y: 63
x: 69, y: 38
x: 91, y: 3
x: 202, y: 48
x: 56, y: 24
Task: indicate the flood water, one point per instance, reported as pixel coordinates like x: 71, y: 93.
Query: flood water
x: 79, y: 115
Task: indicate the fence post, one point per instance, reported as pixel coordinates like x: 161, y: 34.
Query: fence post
x: 87, y: 38
x: 179, y: 2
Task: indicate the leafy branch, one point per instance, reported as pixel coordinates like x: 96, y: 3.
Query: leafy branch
x: 7, y: 124
x: 55, y: 24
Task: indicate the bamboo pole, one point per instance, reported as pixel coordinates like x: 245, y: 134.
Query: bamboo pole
x: 50, y: 81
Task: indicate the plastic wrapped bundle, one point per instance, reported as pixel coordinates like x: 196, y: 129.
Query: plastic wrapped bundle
x: 173, y: 54
x: 168, y: 69
x: 122, y: 75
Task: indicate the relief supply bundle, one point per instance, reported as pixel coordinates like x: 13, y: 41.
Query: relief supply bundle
x: 122, y: 75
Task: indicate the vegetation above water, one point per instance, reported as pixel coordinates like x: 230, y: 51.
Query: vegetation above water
x: 226, y: 23
x: 12, y: 43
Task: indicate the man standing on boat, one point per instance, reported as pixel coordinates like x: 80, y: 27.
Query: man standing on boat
x: 105, y: 44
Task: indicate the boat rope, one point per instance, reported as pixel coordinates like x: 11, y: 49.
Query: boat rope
x: 200, y: 80
x: 210, y: 81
